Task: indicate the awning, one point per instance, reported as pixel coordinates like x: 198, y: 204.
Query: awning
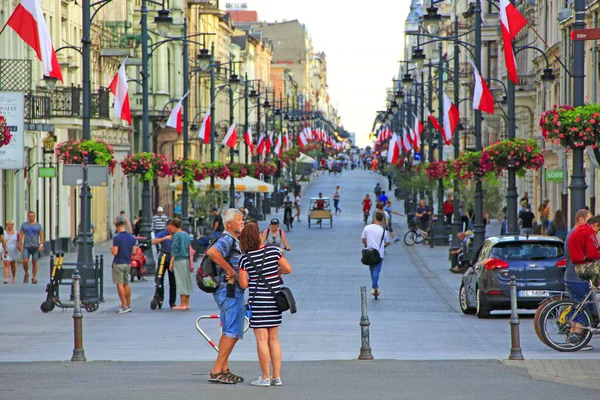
x: 245, y: 184
x: 305, y: 159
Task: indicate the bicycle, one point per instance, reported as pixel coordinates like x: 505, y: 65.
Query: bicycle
x: 416, y: 235
x: 558, y: 317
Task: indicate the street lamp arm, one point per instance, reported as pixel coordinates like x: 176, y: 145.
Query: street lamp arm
x: 68, y: 46
x: 441, y: 38
x: 500, y: 82
x: 169, y: 39
x: 134, y: 80
x: 100, y: 5
x: 520, y: 48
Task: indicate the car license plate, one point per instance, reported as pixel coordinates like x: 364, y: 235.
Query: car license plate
x: 533, y: 293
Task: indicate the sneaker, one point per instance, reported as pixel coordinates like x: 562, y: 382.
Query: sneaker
x: 575, y: 338
x: 261, y: 382
x: 372, y: 291
x: 396, y: 240
x: 276, y: 381
x: 124, y: 310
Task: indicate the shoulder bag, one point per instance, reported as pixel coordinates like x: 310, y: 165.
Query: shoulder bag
x: 372, y: 257
x: 283, y: 299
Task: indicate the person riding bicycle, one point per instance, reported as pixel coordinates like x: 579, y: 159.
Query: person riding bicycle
x: 367, y: 204
x: 273, y: 236
x: 287, y: 212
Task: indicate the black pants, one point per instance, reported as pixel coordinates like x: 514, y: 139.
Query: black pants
x: 172, y: 285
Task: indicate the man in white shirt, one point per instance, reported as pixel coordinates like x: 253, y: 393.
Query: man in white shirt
x: 374, y: 236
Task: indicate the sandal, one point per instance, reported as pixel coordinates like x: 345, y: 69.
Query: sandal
x: 221, y: 377
x: 456, y: 270
x: 26, y: 279
x: 34, y: 281
x: 235, y: 377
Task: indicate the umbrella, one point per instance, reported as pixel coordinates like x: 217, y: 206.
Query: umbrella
x: 305, y: 159
x: 245, y: 184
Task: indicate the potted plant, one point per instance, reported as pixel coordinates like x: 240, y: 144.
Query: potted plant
x: 217, y: 169
x: 470, y: 165
x: 520, y: 154
x: 5, y: 134
x: 188, y: 170
x: 238, y: 170
x: 146, y: 166
x: 572, y: 127
x: 437, y: 170
x: 95, y: 152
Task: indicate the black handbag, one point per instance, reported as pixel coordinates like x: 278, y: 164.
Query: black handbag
x: 372, y: 257
x: 284, y: 299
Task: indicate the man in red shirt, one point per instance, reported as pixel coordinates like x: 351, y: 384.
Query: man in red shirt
x: 448, y: 210
x: 584, y: 248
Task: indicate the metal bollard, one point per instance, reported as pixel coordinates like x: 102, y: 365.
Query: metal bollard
x: 101, y: 281
x: 365, y: 348
x: 78, y: 353
x: 515, y: 341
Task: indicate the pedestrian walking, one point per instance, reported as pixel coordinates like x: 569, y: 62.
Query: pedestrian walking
x: 128, y: 226
x: 159, y: 222
x: 31, y: 243
x: 229, y: 295
x: 390, y: 176
x: 544, y: 213
x: 377, y: 191
x: 180, y: 264
x: 123, y: 247
x: 164, y: 239
x: 388, y: 209
x: 217, y: 224
x: 297, y: 201
x: 526, y: 220
x: 448, y: 210
x: 11, y: 253
x: 336, y: 200
x: 558, y: 226
x: 382, y: 197
x: 260, y: 270
x: 374, y: 236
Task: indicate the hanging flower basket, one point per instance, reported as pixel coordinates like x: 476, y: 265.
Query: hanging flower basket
x: 188, y: 170
x: 265, y: 168
x: 146, y: 166
x: 217, y: 169
x: 238, y: 170
x: 471, y: 165
x: 291, y: 155
x: 98, y: 152
x: 572, y: 127
x: 520, y: 154
x: 5, y: 134
x: 437, y: 170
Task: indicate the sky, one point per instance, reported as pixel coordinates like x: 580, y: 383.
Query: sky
x: 363, y: 42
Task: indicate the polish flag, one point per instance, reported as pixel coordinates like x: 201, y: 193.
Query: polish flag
x: 286, y: 141
x: 269, y: 142
x: 119, y: 88
x: 511, y: 22
x: 248, y: 140
x: 302, y: 139
x: 434, y: 122
x: 230, y: 138
x: 391, y: 147
x: 27, y: 20
x: 260, y: 145
x: 278, y: 150
x: 175, y: 119
x: 419, y: 128
x: 482, y: 98
x: 204, y: 132
x: 405, y: 141
x: 451, y: 117
x: 396, y: 148
x: 412, y: 136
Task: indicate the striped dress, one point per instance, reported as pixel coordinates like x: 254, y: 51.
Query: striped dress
x: 264, y: 309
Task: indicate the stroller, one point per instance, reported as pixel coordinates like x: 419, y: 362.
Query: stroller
x: 139, y: 260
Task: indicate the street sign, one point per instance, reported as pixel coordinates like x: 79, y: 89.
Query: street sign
x: 417, y: 156
x: 12, y: 107
x: 47, y: 172
x: 555, y: 175
x: 586, y: 34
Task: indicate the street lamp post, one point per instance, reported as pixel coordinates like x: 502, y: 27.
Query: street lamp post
x: 246, y: 115
x: 185, y: 127
x: 478, y: 226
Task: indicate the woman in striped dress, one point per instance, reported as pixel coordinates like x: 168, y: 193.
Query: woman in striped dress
x: 265, y: 319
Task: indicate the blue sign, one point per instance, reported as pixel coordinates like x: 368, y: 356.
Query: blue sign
x: 417, y: 156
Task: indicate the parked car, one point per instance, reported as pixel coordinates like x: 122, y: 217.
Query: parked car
x: 537, y: 262
x: 335, y: 167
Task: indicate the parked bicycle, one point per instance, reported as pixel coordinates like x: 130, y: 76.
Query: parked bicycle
x: 416, y: 235
x: 559, y: 317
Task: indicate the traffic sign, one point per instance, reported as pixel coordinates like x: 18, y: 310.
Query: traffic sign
x: 417, y: 156
x: 586, y: 34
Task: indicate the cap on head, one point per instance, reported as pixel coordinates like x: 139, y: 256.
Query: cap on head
x: 274, y: 221
x: 159, y: 209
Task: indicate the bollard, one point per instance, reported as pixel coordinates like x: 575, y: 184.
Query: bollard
x: 515, y: 341
x: 78, y: 353
x: 101, y: 281
x: 365, y: 348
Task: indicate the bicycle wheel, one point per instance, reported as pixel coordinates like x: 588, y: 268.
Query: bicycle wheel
x: 418, y: 237
x: 556, y: 322
x: 537, y: 320
x: 409, y: 238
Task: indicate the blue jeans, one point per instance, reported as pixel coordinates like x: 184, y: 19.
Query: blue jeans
x: 577, y: 291
x: 375, y: 271
x: 232, y: 311
x: 336, y: 202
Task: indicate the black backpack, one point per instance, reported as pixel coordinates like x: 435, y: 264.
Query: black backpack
x: 207, y: 278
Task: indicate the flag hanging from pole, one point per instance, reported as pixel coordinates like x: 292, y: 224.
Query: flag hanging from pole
x: 511, y: 22
x: 230, y: 138
x: 119, y: 88
x: 175, y: 118
x: 205, y: 130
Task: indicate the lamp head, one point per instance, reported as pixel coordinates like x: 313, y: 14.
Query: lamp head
x: 399, y: 96
x: 203, y: 59
x: 418, y: 58
x: 163, y: 21
x: 407, y: 81
x: 50, y: 82
x: 548, y: 78
x: 234, y: 82
x: 432, y: 20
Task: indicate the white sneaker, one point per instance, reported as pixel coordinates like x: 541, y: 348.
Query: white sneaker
x: 276, y: 381
x: 261, y: 382
x: 124, y: 310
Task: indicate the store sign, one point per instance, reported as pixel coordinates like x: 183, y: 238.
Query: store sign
x: 12, y: 106
x: 555, y: 175
x: 47, y: 172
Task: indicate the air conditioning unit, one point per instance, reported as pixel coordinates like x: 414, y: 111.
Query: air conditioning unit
x: 564, y: 14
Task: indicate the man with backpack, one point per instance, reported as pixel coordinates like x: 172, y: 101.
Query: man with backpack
x: 229, y: 297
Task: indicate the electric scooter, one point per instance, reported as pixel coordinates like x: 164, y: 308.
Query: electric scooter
x: 159, y: 280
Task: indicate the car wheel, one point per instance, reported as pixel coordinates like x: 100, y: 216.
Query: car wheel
x: 481, y: 311
x: 462, y: 298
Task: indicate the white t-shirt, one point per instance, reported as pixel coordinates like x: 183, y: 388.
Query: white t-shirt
x: 373, y: 235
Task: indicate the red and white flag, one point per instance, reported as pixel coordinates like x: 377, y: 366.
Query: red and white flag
x: 248, y: 140
x: 278, y: 150
x: 260, y: 145
x: 119, y: 88
x: 391, y: 147
x: 204, y: 132
x: 482, y: 98
x: 511, y: 22
x: 269, y: 142
x: 286, y: 141
x: 175, y: 119
x: 396, y: 149
x: 302, y: 138
x: 405, y: 141
x: 451, y: 117
x: 27, y: 20
x: 412, y: 136
x: 434, y: 122
x: 230, y: 138
x: 419, y: 128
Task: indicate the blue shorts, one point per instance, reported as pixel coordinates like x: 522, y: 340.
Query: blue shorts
x: 34, y: 255
x: 232, y: 311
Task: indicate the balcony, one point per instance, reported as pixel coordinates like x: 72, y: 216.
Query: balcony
x: 68, y: 102
x: 37, y: 107
x: 118, y: 39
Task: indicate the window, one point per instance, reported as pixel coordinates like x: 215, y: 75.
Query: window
x: 533, y: 250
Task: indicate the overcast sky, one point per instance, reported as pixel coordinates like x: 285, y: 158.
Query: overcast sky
x: 363, y: 42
